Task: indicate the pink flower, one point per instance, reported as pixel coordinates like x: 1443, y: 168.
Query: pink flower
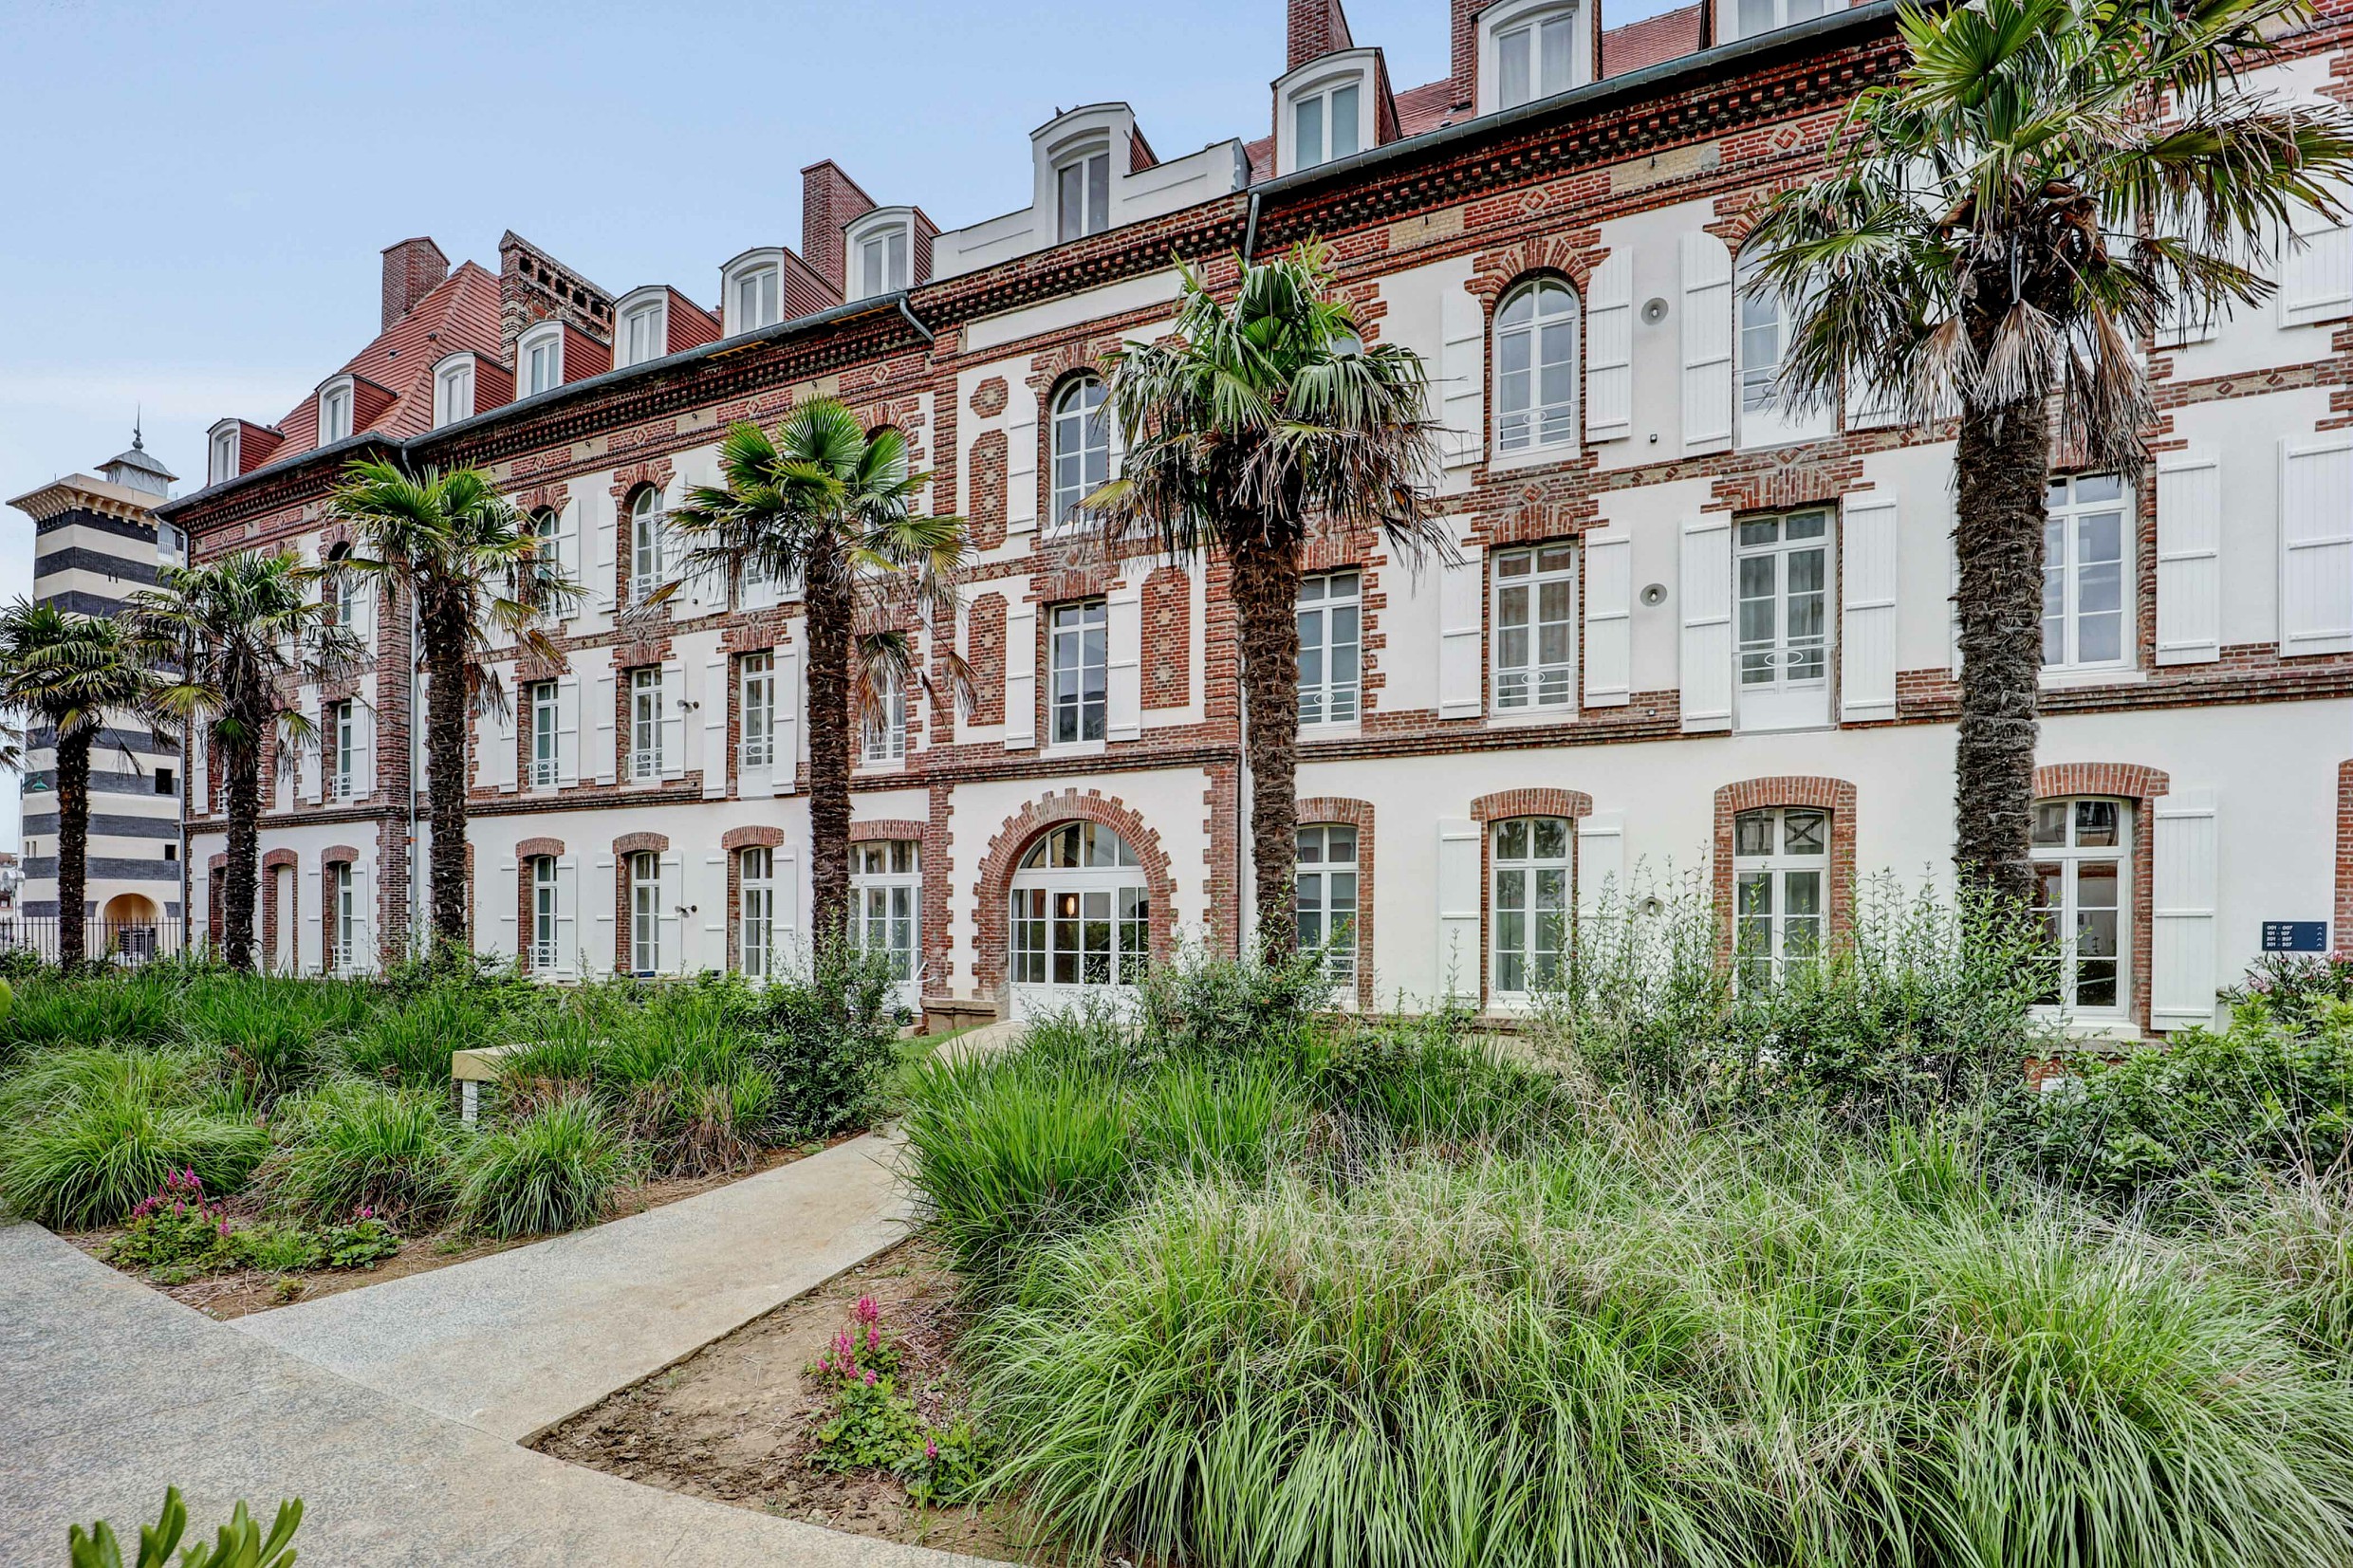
x: 224, y: 1227
x: 869, y: 1377
x: 931, y: 1448
x: 867, y: 1311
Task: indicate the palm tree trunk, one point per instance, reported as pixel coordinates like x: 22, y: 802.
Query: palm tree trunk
x: 445, y: 745
x: 73, y: 846
x: 826, y: 602
x: 243, y: 767
x: 2003, y: 465
x: 1266, y: 598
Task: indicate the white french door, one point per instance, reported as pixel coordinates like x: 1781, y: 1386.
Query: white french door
x: 1781, y: 587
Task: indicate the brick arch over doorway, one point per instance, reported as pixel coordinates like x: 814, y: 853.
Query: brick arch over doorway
x: 1013, y: 841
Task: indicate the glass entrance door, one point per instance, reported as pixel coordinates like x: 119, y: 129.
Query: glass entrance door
x: 1078, y: 923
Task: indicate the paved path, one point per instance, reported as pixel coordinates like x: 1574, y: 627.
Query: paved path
x: 517, y: 1341
x: 110, y: 1390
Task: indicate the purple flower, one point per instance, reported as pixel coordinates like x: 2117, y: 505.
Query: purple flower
x: 867, y: 1311
x: 869, y: 1377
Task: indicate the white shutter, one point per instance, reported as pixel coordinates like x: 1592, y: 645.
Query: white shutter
x: 1867, y: 608
x: 604, y: 943
x: 1462, y: 372
x: 758, y: 590
x: 308, y: 780
x: 2316, y: 277
x: 783, y: 772
x: 1953, y: 602
x: 673, y: 719
x: 669, y: 920
x: 362, y: 750
x: 1020, y: 463
x: 1707, y: 339
x: 567, y: 548
x: 2184, y: 869
x: 364, y: 958
x: 509, y: 942
x: 602, y: 695
x: 1020, y: 676
x: 199, y: 769
x: 1461, y: 597
x: 567, y: 730
x: 710, y: 903
x: 364, y: 612
x: 567, y: 918
x: 1600, y: 860
x: 1123, y: 652
x: 311, y: 955
x: 1610, y: 350
x: 1706, y: 577
x: 605, y: 569
x: 1460, y: 960
x: 785, y: 869
x: 498, y: 766
x: 716, y: 698
x: 1609, y: 616
x: 2189, y: 556
x: 2316, y: 545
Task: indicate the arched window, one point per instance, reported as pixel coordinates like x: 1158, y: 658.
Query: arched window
x: 885, y: 900
x: 1529, y: 861
x: 756, y: 935
x: 1781, y: 880
x: 1536, y: 367
x: 1082, y: 446
x: 1764, y: 338
x: 1325, y: 878
x: 1080, y: 914
x: 2082, y: 896
x: 645, y: 544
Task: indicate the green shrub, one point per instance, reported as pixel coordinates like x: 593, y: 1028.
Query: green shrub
x: 366, y: 1240
x: 176, y: 1226
x: 85, y: 1133
x: 554, y: 1169
x: 1425, y: 1081
x: 137, y: 1009
x: 239, y: 1543
x: 1206, y: 1009
x: 1645, y: 1348
x: 354, y: 1145
x: 827, y: 1041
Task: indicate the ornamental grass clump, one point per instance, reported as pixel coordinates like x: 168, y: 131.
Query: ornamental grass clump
x: 87, y: 1133
x: 135, y: 1009
x: 352, y: 1144
x: 554, y: 1170
x: 274, y: 1033
x: 1650, y: 1347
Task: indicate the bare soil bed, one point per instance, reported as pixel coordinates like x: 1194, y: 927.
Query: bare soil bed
x: 736, y: 1422
x: 234, y: 1294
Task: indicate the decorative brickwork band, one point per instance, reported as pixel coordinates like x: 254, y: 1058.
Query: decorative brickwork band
x: 1316, y: 809
x: 1835, y: 796
x: 751, y: 837
x: 1013, y: 841
x: 883, y: 829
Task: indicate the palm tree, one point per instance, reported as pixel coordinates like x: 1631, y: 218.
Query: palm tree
x: 1995, y: 232
x: 824, y: 504
x: 1249, y: 426
x: 229, y: 638
x: 73, y: 676
x: 450, y: 545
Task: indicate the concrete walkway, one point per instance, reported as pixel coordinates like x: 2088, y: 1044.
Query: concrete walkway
x: 110, y: 1390
x: 517, y: 1341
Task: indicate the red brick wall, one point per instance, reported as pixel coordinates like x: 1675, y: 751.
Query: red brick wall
x: 1168, y: 638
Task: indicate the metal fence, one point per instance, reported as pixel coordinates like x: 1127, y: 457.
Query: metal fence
x: 129, y: 943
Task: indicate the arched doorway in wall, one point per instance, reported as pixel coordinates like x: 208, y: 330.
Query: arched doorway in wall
x: 1079, y: 921
x: 128, y: 927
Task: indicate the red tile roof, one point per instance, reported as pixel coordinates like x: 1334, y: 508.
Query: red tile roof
x: 461, y: 312
x: 1667, y: 36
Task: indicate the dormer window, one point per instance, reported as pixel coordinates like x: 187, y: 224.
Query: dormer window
x: 1325, y: 125
x: 882, y: 263
x: 1083, y: 195
x: 334, y: 405
x: 1533, y: 49
x: 754, y: 292
x: 1752, y: 17
x: 221, y: 454
x: 539, y: 358
x: 453, y: 390
x: 644, y: 330
x: 1325, y: 110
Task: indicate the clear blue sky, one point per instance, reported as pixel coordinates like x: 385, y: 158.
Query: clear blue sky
x: 193, y: 198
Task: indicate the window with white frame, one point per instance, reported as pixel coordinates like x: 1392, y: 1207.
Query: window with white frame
x: 645, y: 725
x: 2083, y: 881
x: 542, y: 955
x: 645, y: 911
x: 1781, y: 591
x: 341, y: 742
x: 1082, y: 438
x: 1752, y: 17
x: 886, y: 899
x: 340, y: 594
x: 884, y: 732
x: 2086, y: 560
x: 1326, y: 895
x: 755, y: 297
x: 644, y: 332
x: 544, y: 729
x: 1083, y: 196
x: 453, y: 391
x: 1076, y: 648
x: 1762, y: 341
x: 1325, y: 123
x: 757, y: 676
x: 882, y: 262
x: 646, y: 530
x: 1536, y: 56
x: 1529, y: 860
x: 1536, y: 367
x: 221, y: 456
x: 335, y: 406
x: 1781, y: 864
x: 343, y: 918
x: 1330, y: 654
x: 1536, y: 628
x: 755, y: 931
x: 540, y: 353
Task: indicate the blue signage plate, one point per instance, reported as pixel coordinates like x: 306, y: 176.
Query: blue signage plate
x: 2296, y: 937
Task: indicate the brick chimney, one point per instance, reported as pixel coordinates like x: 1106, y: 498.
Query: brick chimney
x: 413, y: 269
x: 1316, y: 28
x: 1466, y: 40
x: 829, y: 198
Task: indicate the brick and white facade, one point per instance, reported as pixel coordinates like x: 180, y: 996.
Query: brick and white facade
x: 2203, y: 702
